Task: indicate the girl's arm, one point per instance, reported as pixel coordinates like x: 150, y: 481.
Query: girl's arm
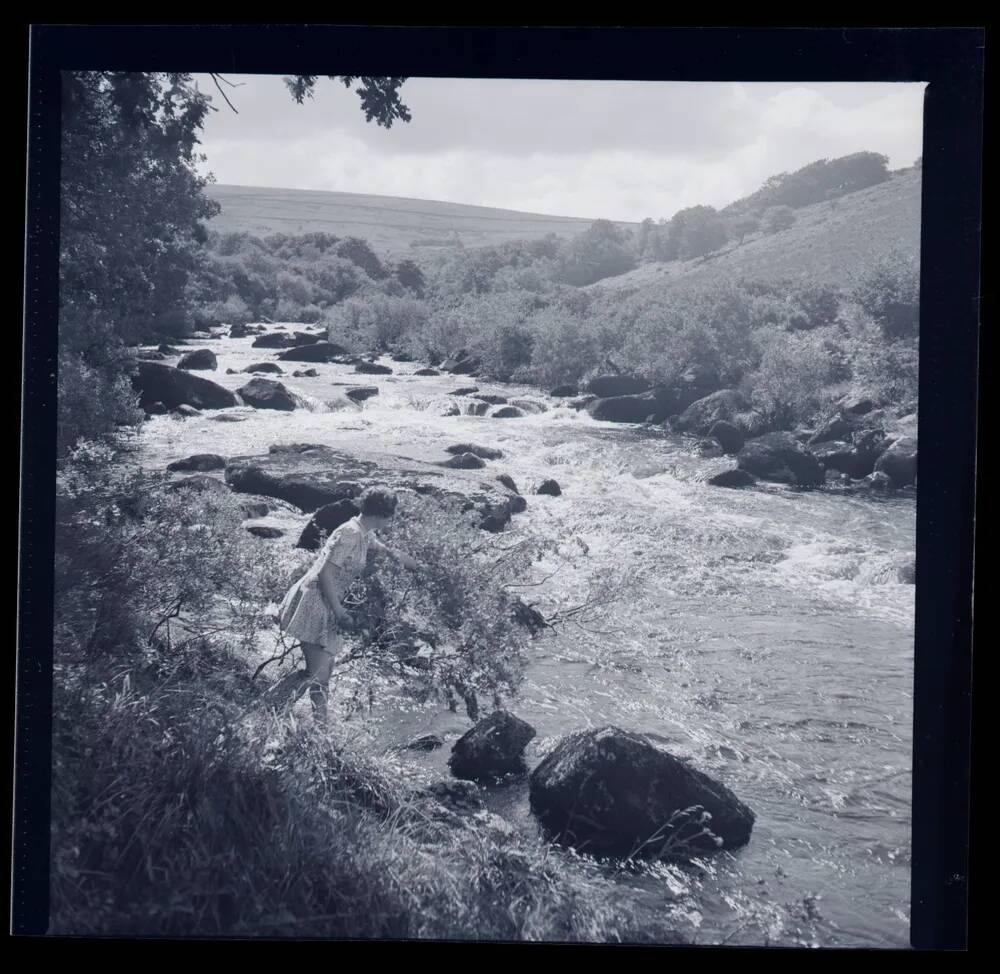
x: 397, y: 556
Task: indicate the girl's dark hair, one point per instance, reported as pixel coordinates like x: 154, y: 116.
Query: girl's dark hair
x: 378, y: 502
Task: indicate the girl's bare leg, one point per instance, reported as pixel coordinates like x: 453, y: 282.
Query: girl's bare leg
x: 284, y: 694
x: 319, y: 660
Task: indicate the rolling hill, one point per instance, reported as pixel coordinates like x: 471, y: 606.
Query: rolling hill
x: 392, y: 225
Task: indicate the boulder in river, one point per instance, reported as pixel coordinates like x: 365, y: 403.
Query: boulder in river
x: 856, y: 405
x: 464, y: 391
x: 781, y: 458
x: 271, y: 367
x: 837, y: 427
x: 491, y: 400
x: 464, y: 461
x: 611, y: 792
x: 506, y: 412
x: 549, y: 487
x: 151, y: 356
x: 465, y: 366
x: 486, y: 452
x: 201, y: 358
x: 624, y: 409
x: 876, y: 482
x: 188, y: 412
x: 899, y: 462
x: 174, y: 387
x: 273, y: 340
x: 427, y: 372
x: 372, y: 368
x: 704, y: 413
x: 491, y: 749
x: 565, y: 391
x: 733, y: 478
x: 238, y: 331
x: 361, y: 393
x: 268, y: 394
x: 316, y: 352
x: 306, y: 491
x: 727, y: 436
x: 156, y: 409
x: 305, y: 373
x: 200, y: 461
x: 164, y: 349
x: 508, y: 481
x: 330, y: 517
x: 613, y: 386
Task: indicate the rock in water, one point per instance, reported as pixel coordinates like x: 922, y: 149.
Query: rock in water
x: 361, y: 393
x: 899, y: 462
x: 491, y: 400
x: 611, y: 792
x: 508, y: 481
x: 550, y: 487
x: 187, y: 411
x: 272, y: 367
x: 464, y: 461
x: 372, y: 368
x: 781, y: 458
x: 728, y: 436
x: 267, y: 394
x: 200, y: 461
x: 464, y: 391
x: 703, y: 414
x: 733, y: 478
x: 175, y: 387
x: 624, y: 409
x: 314, y: 352
x: 427, y: 372
x: 486, y: 452
x: 506, y: 412
x: 462, y: 796
x: 305, y: 373
x: 201, y: 358
x: 561, y: 392
x: 493, y: 748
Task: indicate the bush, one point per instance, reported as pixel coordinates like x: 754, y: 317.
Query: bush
x: 778, y: 218
x: 889, y: 292
x: 376, y: 322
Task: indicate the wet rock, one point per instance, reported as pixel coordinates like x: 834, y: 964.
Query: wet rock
x: 188, y: 412
x: 427, y: 372
x: 460, y: 796
x: 528, y: 616
x: 268, y: 394
x: 318, y: 351
x: 562, y: 392
x: 549, y: 487
x: 478, y: 409
x: 508, y: 481
x: 624, y: 409
x: 875, y: 483
x: 151, y: 356
x: 255, y: 509
x: 856, y: 405
x: 492, y: 400
x: 581, y: 402
x: 836, y: 455
x: 517, y: 504
x: 491, y: 749
x: 232, y: 372
x: 733, y: 478
x: 239, y: 331
x: 307, y: 492
x: 372, y: 368
x: 450, y: 409
x: 464, y: 366
x: 464, y: 391
x: 614, y: 386
x: 899, y: 462
x: 271, y: 367
x: 164, y: 349
x: 699, y: 417
x: 201, y: 485
x: 401, y: 357
x: 428, y: 742
x: 273, y: 339
x: 464, y: 461
x: 486, y: 452
x: 262, y: 529
x: 305, y: 373
x: 728, y: 436
x: 779, y: 457
x: 506, y: 412
x: 201, y: 359
x: 836, y: 478
x: 708, y: 447
x: 200, y: 461
x: 837, y: 427
x: 613, y: 793
x: 329, y: 517
x: 532, y: 406
x: 156, y: 409
x: 228, y: 418
x: 174, y: 387
x: 361, y: 393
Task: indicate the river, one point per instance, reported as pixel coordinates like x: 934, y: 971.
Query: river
x: 764, y: 635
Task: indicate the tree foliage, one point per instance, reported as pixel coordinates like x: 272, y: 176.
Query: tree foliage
x: 379, y: 96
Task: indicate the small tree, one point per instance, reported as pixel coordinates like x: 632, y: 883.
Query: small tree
x: 696, y: 231
x: 778, y: 218
x: 743, y: 225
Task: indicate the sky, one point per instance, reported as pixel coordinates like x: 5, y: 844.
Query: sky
x: 618, y: 150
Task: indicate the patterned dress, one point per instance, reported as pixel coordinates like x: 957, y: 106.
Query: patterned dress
x: 304, y: 612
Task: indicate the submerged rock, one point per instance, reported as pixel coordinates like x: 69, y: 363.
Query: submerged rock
x: 427, y: 372
x: 727, y: 436
x: 611, y: 792
x: 491, y: 749
x: 781, y: 458
x: 372, y: 368
x: 464, y: 391
x: 361, y: 393
x: 461, y: 796
x: 176, y: 387
x: 506, y: 412
x: 188, y: 412
x: 733, y: 478
x: 305, y: 373
x: 317, y: 351
x: 265, y: 367
x: 261, y: 528
x: 492, y: 400
x: 201, y: 358
x: 486, y: 452
x: 200, y: 461
x: 562, y: 392
x: 464, y: 461
x: 268, y: 394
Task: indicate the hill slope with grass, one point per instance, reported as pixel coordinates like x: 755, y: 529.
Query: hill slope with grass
x: 390, y: 224
x: 828, y: 243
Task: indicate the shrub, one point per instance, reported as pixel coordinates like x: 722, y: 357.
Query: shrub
x: 376, y: 322
x: 889, y: 292
x: 778, y: 218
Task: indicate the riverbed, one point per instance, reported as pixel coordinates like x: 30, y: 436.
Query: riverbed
x: 764, y: 634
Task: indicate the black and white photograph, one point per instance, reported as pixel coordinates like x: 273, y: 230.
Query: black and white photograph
x: 485, y: 508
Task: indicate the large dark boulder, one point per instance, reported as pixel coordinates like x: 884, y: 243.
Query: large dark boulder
x: 561, y: 392
x: 493, y: 748
x: 201, y: 358
x: 611, y: 792
x: 465, y: 366
x: 464, y: 461
x: 372, y: 368
x: 506, y: 412
x: 733, y: 478
x: 508, y: 481
x: 239, y: 331
x: 727, y: 436
x: 781, y: 458
x: 694, y: 383
x: 495, y: 514
x: 549, y: 487
x: 612, y: 386
x: 268, y: 394
x: 200, y: 484
x: 899, y: 462
x: 273, y: 340
x: 624, y: 409
x: 839, y: 456
x: 361, y: 393
x: 427, y: 372
x: 837, y: 427
x: 308, y: 490
x: 200, y: 461
x: 175, y: 387
x: 486, y: 452
x: 271, y: 367
x: 330, y: 517
x: 704, y: 413
x: 856, y: 405
x: 316, y: 352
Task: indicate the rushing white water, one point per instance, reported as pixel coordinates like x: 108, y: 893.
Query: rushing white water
x: 763, y: 634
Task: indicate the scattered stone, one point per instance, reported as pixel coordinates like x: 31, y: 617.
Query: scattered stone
x: 733, y: 478
x: 305, y: 373
x: 486, y: 452
x: 330, y: 517
x: 201, y: 358
x: 779, y: 457
x: 361, y: 393
x: 550, y: 487
x: 427, y: 372
x: 317, y: 351
x: 613, y: 793
x: 562, y: 392
x: 491, y: 749
x: 200, y: 461
x: 267, y: 394
x: 372, y: 368
x: 464, y: 461
x: 272, y: 367
x: 508, y: 481
x: 728, y: 436
x: 506, y: 412
x: 173, y: 387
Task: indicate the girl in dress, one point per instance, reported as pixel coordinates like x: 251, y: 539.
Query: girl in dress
x: 312, y: 610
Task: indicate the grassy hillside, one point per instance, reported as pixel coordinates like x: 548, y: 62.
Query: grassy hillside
x: 828, y: 243
x: 390, y: 224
